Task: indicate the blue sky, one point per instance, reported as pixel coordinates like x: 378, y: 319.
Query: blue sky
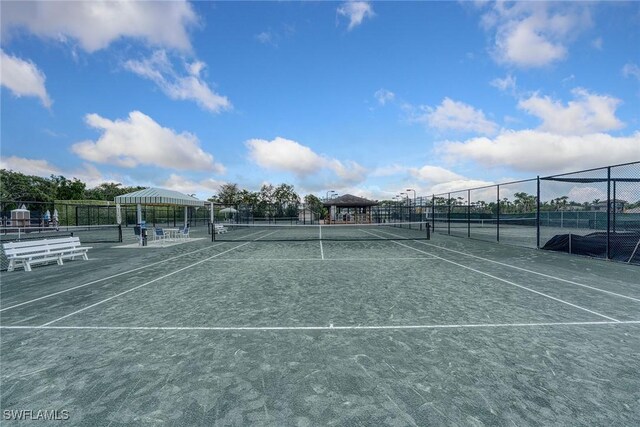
x: 368, y: 98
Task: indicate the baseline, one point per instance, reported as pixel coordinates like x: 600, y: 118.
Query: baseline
x: 324, y: 328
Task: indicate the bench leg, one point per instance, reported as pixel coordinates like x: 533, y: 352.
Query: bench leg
x: 27, y: 265
x: 59, y: 260
x: 12, y: 265
x: 85, y: 256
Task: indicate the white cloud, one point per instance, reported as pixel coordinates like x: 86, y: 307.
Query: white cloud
x: 588, y: 113
x: 383, y: 96
x: 356, y: 11
x: 506, y: 84
x: 96, y: 24
x: 455, y: 115
x: 391, y: 170
x: 534, y: 34
x: 159, y: 69
x: 538, y: 151
x: 435, y: 174
x: 139, y: 140
x: 285, y: 155
x: 266, y: 37
x: 597, y: 43
x: 29, y: 166
x: 462, y: 184
x: 38, y: 167
x: 631, y: 70
x: 23, y: 78
x: 203, y: 189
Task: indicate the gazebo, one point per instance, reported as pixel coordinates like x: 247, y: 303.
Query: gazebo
x: 349, y: 209
x: 157, y: 197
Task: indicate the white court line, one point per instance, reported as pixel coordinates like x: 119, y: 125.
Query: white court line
x: 496, y: 278
x: 152, y: 281
x: 115, y: 275
x: 530, y: 271
x: 140, y: 286
x: 321, y: 251
x: 323, y: 328
x: 318, y: 259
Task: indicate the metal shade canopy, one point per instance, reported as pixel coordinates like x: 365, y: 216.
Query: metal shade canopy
x: 158, y: 196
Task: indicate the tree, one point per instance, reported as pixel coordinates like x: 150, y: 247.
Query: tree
x: 25, y: 188
x: 286, y: 200
x: 228, y: 194
x: 68, y: 190
x: 108, y: 191
x: 265, y: 201
x: 314, y: 204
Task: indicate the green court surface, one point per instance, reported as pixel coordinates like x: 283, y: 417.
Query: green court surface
x: 445, y: 331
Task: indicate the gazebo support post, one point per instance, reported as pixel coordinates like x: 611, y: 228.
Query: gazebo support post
x: 186, y: 216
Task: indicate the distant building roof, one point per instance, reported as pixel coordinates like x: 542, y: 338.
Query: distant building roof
x: 349, y: 200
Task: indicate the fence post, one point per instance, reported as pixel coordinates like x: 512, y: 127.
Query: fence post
x: 433, y: 212
x: 613, y: 220
x: 538, y: 214
x: 609, y: 212
x: 449, y: 213
x: 498, y: 213
x: 468, y: 213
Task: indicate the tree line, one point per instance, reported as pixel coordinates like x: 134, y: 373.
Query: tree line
x: 270, y: 201
x: 275, y: 201
x: 16, y: 186
x: 523, y: 203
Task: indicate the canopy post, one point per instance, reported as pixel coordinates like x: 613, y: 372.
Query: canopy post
x: 118, y: 214
x: 139, y: 213
x: 186, y: 208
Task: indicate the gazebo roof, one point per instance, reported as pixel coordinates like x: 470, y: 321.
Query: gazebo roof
x: 158, y: 196
x: 349, y: 200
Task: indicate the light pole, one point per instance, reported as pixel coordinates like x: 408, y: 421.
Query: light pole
x: 327, y: 197
x: 414, y: 201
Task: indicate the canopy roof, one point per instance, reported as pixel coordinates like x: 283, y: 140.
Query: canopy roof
x: 349, y: 200
x: 158, y: 196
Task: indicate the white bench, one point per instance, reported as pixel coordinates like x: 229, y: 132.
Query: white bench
x: 219, y: 228
x: 40, y: 251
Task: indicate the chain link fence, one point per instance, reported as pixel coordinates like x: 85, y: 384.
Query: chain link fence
x: 594, y: 212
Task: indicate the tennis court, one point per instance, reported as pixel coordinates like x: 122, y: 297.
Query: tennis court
x: 315, y: 326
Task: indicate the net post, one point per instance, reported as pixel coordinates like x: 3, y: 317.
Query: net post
x: 538, y: 213
x: 120, y: 233
x: 608, y: 213
x: 428, y: 231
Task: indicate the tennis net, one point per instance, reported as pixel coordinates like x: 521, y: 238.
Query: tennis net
x: 335, y: 232
x: 86, y: 233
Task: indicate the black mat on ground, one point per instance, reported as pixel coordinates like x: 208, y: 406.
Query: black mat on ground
x: 624, y: 246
